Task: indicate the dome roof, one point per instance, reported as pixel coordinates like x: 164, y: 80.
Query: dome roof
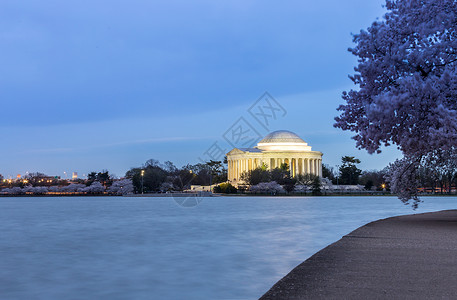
x: 282, y: 136
x: 283, y: 140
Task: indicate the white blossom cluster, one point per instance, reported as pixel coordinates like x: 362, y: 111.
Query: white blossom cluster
x: 267, y: 187
x: 302, y: 188
x: 120, y: 187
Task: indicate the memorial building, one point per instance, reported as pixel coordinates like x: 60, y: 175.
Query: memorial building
x: 276, y: 148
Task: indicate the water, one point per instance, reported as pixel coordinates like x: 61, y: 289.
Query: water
x: 151, y: 248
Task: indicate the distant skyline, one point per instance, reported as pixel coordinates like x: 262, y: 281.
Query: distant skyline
x: 108, y: 85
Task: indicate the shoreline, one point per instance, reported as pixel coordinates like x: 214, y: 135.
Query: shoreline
x: 220, y: 195
x: 409, y: 256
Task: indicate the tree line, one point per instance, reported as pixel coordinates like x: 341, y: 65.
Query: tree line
x: 153, y: 176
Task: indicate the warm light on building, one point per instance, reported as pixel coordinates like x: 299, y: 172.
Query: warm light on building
x: 74, y: 175
x: 277, y: 148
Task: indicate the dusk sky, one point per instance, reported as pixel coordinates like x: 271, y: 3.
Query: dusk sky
x: 92, y: 85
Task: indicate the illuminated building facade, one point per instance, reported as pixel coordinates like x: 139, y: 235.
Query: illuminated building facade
x: 275, y: 149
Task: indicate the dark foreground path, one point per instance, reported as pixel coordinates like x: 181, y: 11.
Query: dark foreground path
x: 406, y: 257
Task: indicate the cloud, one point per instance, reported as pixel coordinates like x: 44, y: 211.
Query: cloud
x: 109, y: 145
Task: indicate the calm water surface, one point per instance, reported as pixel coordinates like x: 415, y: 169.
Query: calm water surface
x: 151, y: 248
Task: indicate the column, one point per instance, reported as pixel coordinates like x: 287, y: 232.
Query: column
x: 295, y: 166
x: 237, y: 169
x: 229, y: 170
x: 290, y: 167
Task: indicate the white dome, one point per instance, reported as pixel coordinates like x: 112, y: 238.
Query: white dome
x: 283, y: 140
x: 282, y: 136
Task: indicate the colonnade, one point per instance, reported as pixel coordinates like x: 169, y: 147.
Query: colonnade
x: 297, y: 166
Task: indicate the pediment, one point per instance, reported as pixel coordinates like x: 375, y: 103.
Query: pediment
x: 235, y: 151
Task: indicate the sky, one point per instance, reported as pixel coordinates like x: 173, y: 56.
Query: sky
x: 94, y: 85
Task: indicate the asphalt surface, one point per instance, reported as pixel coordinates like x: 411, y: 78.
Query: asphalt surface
x: 406, y: 257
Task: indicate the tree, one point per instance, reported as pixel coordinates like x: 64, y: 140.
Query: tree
x: 225, y: 188
x: 95, y: 188
x: 256, y: 176
x: 372, y: 178
x: 407, y: 86
x: 152, y: 178
x: 167, y: 186
x: 288, y: 183
x: 278, y: 174
x: 316, y: 187
x: 121, y: 187
x: 267, y: 187
x: 349, y: 173
x: 72, y: 188
x: 183, y: 178
x: 328, y: 172
x: 306, y: 180
x: 36, y: 179
x: 103, y: 177
x: 216, y: 171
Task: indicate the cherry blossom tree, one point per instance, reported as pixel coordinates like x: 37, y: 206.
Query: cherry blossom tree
x: 95, y: 188
x: 13, y: 191
x: 71, y: 188
x: 37, y: 190
x: 269, y: 187
x: 166, y: 186
x: 121, y: 187
x: 407, y: 88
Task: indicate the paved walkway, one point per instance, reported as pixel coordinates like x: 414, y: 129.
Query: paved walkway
x: 406, y: 257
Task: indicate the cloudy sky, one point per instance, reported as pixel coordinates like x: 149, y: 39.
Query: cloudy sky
x: 92, y: 85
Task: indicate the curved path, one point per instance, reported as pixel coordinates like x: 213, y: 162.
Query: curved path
x: 406, y: 257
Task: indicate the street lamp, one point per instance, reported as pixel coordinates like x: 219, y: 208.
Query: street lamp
x: 142, y: 176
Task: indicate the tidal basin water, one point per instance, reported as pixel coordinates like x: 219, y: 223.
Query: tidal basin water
x: 151, y: 248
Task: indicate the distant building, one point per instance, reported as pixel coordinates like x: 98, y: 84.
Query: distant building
x: 18, y: 176
x: 275, y: 149
x: 74, y: 175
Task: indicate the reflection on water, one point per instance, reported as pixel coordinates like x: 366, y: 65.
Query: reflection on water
x: 151, y: 248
